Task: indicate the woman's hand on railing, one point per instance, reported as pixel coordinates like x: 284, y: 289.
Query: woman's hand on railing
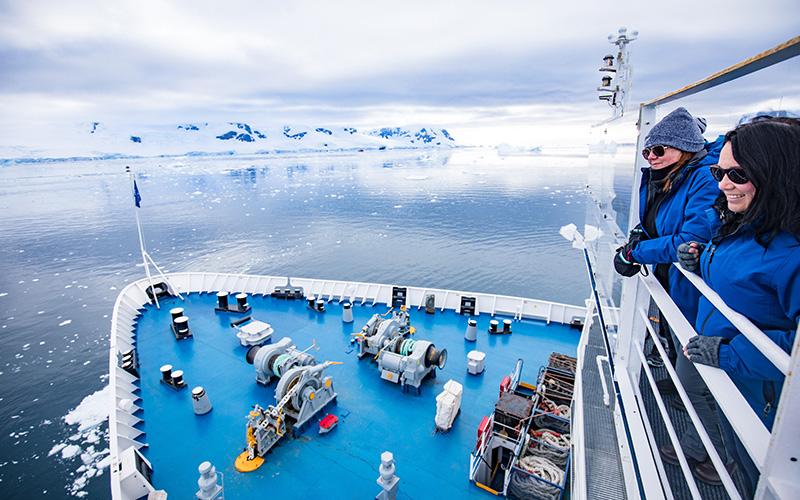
x: 703, y: 349
x: 689, y: 255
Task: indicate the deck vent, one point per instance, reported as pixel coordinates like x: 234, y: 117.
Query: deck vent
x: 399, y: 296
x: 200, y: 402
x: 472, y: 331
x: 468, y: 305
x: 347, y: 312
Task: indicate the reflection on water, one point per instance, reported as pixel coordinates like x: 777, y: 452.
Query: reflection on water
x: 466, y: 219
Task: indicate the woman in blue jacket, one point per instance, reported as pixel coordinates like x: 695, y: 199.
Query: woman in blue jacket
x: 674, y: 196
x: 753, y: 263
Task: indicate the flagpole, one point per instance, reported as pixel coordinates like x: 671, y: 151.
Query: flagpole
x: 136, y: 199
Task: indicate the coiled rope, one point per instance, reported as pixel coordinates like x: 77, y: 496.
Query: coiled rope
x: 277, y: 366
x: 543, y: 468
x: 556, y: 384
x: 407, y: 347
x: 550, y: 407
x: 562, y: 362
x: 554, y: 439
x: 525, y: 486
x: 550, y: 445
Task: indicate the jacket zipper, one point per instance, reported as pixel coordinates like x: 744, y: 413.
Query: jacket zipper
x: 702, y: 328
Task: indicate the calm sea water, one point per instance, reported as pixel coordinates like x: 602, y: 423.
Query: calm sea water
x: 466, y: 219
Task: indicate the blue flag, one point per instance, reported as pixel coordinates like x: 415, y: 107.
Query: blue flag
x: 136, y: 196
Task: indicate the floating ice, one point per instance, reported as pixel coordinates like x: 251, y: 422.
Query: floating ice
x: 57, y: 448
x: 88, y: 416
x: 70, y: 451
x: 92, y: 411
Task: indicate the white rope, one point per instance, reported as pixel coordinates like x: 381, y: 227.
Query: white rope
x: 560, y: 441
x: 543, y: 468
x: 562, y: 411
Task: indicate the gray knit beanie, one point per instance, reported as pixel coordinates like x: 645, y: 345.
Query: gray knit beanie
x: 679, y: 130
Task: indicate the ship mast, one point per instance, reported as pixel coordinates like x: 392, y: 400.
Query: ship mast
x: 617, y: 79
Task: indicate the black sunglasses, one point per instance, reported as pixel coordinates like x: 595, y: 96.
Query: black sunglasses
x: 736, y: 175
x: 657, y: 150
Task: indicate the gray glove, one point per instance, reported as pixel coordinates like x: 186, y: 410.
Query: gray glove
x: 703, y: 349
x: 689, y: 260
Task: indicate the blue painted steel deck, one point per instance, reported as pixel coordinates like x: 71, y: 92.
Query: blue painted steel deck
x: 374, y: 414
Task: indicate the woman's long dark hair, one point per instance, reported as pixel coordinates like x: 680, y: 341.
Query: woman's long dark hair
x: 768, y: 149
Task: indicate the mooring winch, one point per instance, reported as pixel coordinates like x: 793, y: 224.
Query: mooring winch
x: 274, y: 360
x: 303, y: 392
x: 380, y: 330
x: 407, y: 361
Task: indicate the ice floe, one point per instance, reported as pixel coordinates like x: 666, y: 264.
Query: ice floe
x: 88, y: 417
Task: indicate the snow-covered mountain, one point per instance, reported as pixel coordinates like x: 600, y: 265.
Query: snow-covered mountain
x: 99, y: 140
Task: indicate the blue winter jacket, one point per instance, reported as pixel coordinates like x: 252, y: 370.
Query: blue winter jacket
x: 763, y: 285
x: 681, y: 217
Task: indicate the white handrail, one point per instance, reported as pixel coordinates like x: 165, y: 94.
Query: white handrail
x: 744, y: 420
x: 693, y: 416
x: 768, y: 348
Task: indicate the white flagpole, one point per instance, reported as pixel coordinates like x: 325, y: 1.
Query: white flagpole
x: 141, y: 240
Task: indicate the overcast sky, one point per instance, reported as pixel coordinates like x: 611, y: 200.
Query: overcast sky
x: 522, y: 70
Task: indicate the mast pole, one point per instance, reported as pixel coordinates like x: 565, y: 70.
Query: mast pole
x: 145, y: 256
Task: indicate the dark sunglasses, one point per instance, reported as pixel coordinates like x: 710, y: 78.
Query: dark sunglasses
x: 736, y: 175
x: 656, y: 150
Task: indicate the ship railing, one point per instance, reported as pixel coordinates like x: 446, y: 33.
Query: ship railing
x: 373, y: 294
x: 631, y: 364
x: 774, y: 454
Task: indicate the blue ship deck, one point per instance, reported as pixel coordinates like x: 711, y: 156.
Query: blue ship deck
x: 374, y: 414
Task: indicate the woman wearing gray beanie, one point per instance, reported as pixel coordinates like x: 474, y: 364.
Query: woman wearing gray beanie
x: 674, y: 196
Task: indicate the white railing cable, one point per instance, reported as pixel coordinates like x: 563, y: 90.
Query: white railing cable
x: 693, y: 416
x: 768, y: 348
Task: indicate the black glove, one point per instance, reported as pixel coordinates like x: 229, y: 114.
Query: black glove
x: 689, y: 260
x: 624, y: 263
x: 703, y: 349
x: 637, y: 235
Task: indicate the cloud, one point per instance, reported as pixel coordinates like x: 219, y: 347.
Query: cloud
x: 175, y: 61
